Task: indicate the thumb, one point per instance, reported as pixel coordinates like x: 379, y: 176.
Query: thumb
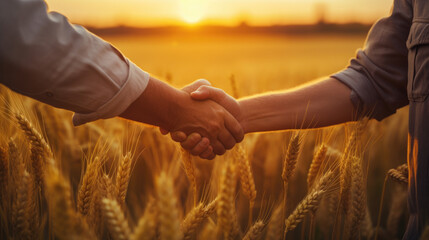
x: 195, y: 85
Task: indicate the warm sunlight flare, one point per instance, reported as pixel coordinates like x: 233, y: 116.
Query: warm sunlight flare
x: 191, y: 11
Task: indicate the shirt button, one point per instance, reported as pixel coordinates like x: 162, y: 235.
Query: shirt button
x: 49, y: 94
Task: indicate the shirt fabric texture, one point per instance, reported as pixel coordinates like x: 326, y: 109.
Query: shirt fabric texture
x: 393, y: 71
x: 45, y: 57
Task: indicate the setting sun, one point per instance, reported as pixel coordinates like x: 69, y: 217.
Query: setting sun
x: 192, y: 11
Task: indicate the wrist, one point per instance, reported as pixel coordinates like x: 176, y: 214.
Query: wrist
x: 178, y: 102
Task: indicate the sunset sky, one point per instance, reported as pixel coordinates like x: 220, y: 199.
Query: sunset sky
x: 103, y: 13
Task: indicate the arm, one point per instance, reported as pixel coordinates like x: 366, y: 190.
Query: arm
x: 44, y: 56
x: 319, y: 104
x: 316, y: 105
x: 376, y: 79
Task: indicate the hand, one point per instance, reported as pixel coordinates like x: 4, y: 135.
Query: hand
x: 194, y: 142
x: 211, y: 121
x: 174, y: 110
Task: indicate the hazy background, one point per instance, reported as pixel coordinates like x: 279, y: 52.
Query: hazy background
x: 226, y: 12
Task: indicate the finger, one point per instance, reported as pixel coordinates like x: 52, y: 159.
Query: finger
x: 191, y: 141
x: 218, y: 95
x: 201, y: 146
x: 208, y: 153
x: 178, y: 136
x: 234, y: 127
x: 195, y: 85
x: 163, y: 131
x: 205, y: 92
x: 226, y: 139
x: 218, y: 147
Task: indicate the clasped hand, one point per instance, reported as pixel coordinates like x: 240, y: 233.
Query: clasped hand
x: 213, y: 125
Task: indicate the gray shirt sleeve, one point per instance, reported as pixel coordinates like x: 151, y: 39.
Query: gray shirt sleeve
x: 378, y: 73
x: 45, y: 57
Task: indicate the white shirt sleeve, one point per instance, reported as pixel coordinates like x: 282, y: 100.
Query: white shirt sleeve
x: 45, y: 57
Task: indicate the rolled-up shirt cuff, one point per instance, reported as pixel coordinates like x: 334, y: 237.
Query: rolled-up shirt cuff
x: 134, y: 86
x: 363, y: 96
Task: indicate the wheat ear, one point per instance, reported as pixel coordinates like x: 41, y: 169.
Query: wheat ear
x: 399, y: 174
x: 255, y: 231
x: 122, y: 178
x: 311, y: 202
x: 227, y: 219
x: 289, y: 165
x: 87, y: 187
x: 358, y: 199
x: 318, y: 159
x: 246, y: 179
x: 168, y: 215
x: 114, y: 217
x: 189, y: 168
x: 22, y: 202
x: 39, y: 147
x: 4, y: 174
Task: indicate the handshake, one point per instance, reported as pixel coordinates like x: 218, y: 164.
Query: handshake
x: 209, y: 123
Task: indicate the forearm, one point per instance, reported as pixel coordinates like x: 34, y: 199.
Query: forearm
x: 311, y: 106
x: 155, y: 105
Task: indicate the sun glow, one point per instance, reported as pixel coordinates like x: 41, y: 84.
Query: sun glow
x: 192, y: 11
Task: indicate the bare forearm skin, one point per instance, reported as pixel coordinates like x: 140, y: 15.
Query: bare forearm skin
x: 315, y: 105
x: 156, y: 106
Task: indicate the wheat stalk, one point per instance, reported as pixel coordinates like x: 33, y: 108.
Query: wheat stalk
x: 275, y: 226
x: 345, y: 164
x: 146, y: 227
x: 66, y: 223
x: 168, y: 216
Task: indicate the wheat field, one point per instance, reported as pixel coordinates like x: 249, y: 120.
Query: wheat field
x: 114, y: 179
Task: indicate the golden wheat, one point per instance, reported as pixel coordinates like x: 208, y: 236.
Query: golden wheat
x: 275, y: 226
x: 358, y: 208
x: 168, y: 215
x: 146, y: 227
x: 188, y: 165
x: 118, y: 225
x: 255, y: 231
x: 227, y: 222
x: 318, y: 158
x: 122, y: 178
